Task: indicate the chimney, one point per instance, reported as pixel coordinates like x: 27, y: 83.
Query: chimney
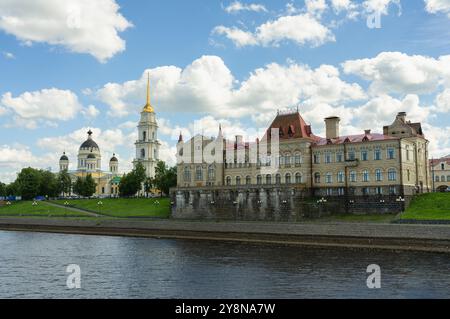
x: 402, y: 116
x: 367, y: 132
x: 332, y: 127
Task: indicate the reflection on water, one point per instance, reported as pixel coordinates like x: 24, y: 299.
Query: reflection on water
x: 33, y: 265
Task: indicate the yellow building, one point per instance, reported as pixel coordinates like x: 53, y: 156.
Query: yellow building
x: 394, y: 162
x: 89, y: 162
x: 440, y: 173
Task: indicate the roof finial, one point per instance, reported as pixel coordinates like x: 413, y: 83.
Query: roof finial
x: 148, y: 107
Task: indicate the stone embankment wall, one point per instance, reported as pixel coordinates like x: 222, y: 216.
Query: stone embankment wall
x: 273, y: 204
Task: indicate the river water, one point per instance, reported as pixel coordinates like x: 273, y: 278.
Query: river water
x: 33, y: 265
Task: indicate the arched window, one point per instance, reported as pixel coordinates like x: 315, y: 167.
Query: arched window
x: 329, y: 178
x: 268, y: 179
x: 144, y: 136
x: 228, y: 180
x: 353, y: 176
x: 340, y: 177
x: 298, y: 159
x: 211, y: 172
x: 198, y: 173
x: 187, y: 174
x: 298, y: 178
x: 248, y: 180
x: 155, y: 154
x: 238, y: 180
x: 442, y: 178
x: 378, y: 175
x: 317, y: 177
x: 287, y: 178
x: 278, y: 179
x: 392, y: 174
x: 365, y: 176
x: 259, y: 179
x: 142, y: 153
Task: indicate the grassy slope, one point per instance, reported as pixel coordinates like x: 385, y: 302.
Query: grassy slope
x: 124, y: 207
x: 26, y: 208
x: 433, y: 206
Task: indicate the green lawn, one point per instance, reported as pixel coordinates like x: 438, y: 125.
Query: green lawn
x: 25, y: 208
x: 124, y: 207
x: 432, y: 206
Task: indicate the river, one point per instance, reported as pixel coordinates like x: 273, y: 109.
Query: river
x: 33, y: 265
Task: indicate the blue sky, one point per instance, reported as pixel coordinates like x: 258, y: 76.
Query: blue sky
x: 66, y: 66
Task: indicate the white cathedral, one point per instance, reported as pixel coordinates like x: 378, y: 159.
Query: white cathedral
x: 89, y: 156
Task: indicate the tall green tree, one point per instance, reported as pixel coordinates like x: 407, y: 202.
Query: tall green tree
x: 64, y: 182
x: 78, y: 186
x: 12, y: 189
x: 2, y: 189
x: 29, y: 182
x: 89, y: 186
x: 165, y: 177
x: 48, y: 185
x: 85, y: 186
x: 132, y: 182
x: 148, y: 185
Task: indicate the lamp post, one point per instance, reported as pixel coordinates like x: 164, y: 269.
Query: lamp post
x: 401, y: 201
x: 66, y: 203
x: 99, y: 204
x: 320, y: 202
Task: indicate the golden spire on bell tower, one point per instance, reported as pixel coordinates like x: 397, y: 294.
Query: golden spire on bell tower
x: 148, y: 107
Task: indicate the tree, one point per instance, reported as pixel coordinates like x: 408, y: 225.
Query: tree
x: 85, y: 186
x: 48, y: 184
x: 29, y: 182
x: 132, y: 182
x: 78, y: 186
x: 148, y: 185
x: 64, y: 182
x: 2, y: 189
x: 139, y: 172
x: 165, y: 177
x: 12, y: 189
x: 89, y: 186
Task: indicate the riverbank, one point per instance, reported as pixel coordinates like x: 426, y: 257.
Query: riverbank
x: 432, y: 238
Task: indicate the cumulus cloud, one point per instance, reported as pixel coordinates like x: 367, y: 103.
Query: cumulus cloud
x: 207, y: 85
x: 381, y: 6
x: 238, y: 6
x: 443, y: 101
x: 76, y: 25
x: 396, y: 72
x: 8, y: 55
x: 90, y: 112
x: 45, y: 106
x: 302, y: 29
x: 438, y: 6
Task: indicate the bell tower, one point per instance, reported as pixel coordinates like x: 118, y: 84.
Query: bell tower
x: 147, y: 145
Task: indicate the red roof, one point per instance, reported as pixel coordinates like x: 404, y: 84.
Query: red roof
x: 290, y: 125
x: 359, y: 138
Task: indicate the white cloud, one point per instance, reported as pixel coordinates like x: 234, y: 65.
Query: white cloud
x: 208, y: 86
x: 384, y: 108
x: 237, y: 6
x: 46, y: 106
x: 436, y: 6
x: 443, y: 101
x: 381, y: 6
x: 302, y: 29
x: 8, y: 55
x: 316, y: 7
x: 396, y: 72
x: 90, y: 112
x: 81, y: 26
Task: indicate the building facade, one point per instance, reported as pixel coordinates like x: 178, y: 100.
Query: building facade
x: 89, y: 162
x: 392, y: 164
x: 440, y: 173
